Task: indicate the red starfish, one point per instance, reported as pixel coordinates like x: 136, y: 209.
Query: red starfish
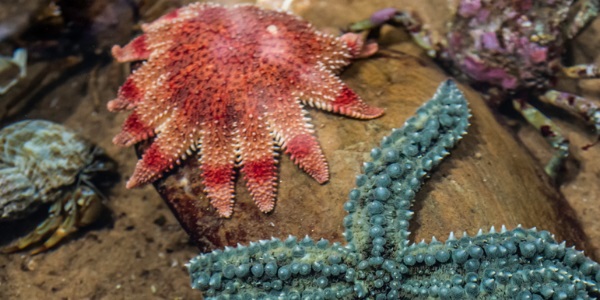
x: 230, y: 83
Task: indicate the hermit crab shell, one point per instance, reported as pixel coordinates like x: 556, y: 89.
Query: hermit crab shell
x: 39, y: 160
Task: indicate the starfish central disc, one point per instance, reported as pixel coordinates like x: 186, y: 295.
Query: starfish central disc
x: 230, y: 83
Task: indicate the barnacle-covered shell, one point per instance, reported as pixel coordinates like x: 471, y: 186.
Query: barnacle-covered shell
x: 38, y: 159
x: 509, y: 44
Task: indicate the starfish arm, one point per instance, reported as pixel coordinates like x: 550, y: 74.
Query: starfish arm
x: 276, y: 269
x: 133, y: 131
x: 377, y: 224
x: 217, y: 163
x: 170, y: 147
x: 359, y: 48
x: 258, y: 158
x: 518, y: 264
x: 147, y: 89
x: 325, y: 91
x: 337, y: 52
x: 135, y: 50
x: 153, y: 106
x: 129, y: 95
x: 296, y: 136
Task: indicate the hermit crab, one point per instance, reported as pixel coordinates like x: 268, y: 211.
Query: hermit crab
x: 43, y: 163
x: 511, y: 47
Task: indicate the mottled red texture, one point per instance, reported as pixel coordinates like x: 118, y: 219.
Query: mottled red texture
x: 230, y: 83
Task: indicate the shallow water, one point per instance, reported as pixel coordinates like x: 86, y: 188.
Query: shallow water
x: 137, y: 249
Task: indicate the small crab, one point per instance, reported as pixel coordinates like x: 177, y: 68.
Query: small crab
x: 45, y: 163
x: 514, y: 47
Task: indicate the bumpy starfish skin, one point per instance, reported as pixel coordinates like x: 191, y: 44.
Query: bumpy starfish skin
x: 378, y: 262
x: 230, y: 83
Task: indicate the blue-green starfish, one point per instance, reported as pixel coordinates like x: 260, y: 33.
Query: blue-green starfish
x: 378, y: 262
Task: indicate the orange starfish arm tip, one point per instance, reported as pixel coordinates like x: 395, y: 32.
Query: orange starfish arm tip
x: 218, y: 186
x: 129, y: 95
x: 133, y: 131
x: 357, y: 45
x: 349, y: 103
x: 150, y: 167
x: 261, y: 181
x: 137, y: 49
x: 307, y: 154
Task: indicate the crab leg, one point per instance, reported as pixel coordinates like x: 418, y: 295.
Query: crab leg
x: 549, y: 130
x: 42, y: 230
x: 583, y: 71
x: 77, y: 209
x: 586, y: 12
x: 66, y: 227
x: 81, y: 208
x: 581, y: 106
x: 397, y: 18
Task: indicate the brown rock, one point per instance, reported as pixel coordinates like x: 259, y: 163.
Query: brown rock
x: 15, y: 16
x: 487, y: 180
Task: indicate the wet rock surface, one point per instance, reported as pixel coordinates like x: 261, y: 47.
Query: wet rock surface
x: 15, y: 16
x: 489, y: 180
